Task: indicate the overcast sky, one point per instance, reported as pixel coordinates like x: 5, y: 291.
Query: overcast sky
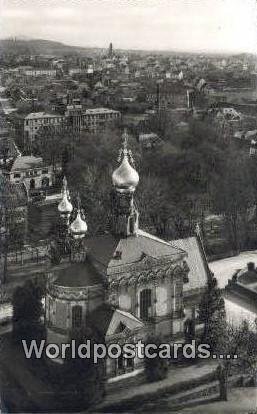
x: 191, y: 25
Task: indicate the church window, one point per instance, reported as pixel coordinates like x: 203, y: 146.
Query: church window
x: 145, y: 303
x: 131, y: 225
x: 76, y: 316
x: 120, y: 362
x: 130, y: 363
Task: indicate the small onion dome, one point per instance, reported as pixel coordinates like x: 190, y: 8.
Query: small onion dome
x: 78, y: 227
x: 65, y: 207
x: 125, y: 176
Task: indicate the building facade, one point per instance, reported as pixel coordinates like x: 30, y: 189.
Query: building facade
x: 32, y: 172
x: 35, y: 120
x: 91, y: 120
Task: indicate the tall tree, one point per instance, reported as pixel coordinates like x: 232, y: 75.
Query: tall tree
x: 234, y: 194
x: 27, y: 310
x: 212, y: 314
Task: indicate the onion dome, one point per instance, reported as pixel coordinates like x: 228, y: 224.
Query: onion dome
x: 125, y: 176
x: 78, y: 227
x: 65, y: 207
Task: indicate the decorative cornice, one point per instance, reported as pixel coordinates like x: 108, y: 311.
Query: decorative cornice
x: 146, y: 262
x: 149, y: 275
x: 74, y: 293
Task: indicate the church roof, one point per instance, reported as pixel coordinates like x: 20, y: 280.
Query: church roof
x: 108, y: 320
x: 78, y: 275
x: 113, y: 251
x: 198, y: 273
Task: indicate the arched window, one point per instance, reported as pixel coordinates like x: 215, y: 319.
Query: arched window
x: 76, y: 316
x: 145, y: 303
x: 32, y: 184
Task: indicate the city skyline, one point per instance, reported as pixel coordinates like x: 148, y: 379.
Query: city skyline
x: 201, y: 26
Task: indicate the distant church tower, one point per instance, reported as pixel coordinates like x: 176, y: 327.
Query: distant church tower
x: 110, y: 51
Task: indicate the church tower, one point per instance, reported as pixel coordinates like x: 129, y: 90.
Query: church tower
x: 110, y: 51
x: 125, y: 180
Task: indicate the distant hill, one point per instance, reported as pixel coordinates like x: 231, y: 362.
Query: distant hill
x: 41, y: 46
x: 22, y: 45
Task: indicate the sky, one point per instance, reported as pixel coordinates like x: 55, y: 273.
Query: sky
x: 184, y: 25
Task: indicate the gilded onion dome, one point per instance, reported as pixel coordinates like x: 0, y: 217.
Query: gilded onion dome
x: 65, y: 207
x: 78, y: 227
x: 125, y: 176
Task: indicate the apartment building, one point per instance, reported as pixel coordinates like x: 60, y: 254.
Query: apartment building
x: 93, y: 119
x: 35, y: 120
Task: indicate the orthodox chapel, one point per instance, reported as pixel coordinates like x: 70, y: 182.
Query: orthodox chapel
x: 127, y: 282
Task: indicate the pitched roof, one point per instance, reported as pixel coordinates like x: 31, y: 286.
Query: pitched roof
x: 111, y: 251
x: 198, y: 274
x: 26, y: 162
x: 107, y: 319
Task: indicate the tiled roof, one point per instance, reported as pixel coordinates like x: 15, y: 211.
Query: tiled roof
x: 113, y: 251
x: 198, y: 275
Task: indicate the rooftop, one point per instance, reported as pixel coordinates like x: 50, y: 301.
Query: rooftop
x: 78, y: 275
x: 26, y: 162
x: 198, y: 275
x: 36, y: 115
x: 112, y: 252
x: 100, y: 111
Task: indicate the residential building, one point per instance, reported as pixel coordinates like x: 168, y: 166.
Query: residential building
x: 35, y: 120
x: 148, y: 140
x: 32, y: 172
x: 40, y: 72
x: 92, y: 120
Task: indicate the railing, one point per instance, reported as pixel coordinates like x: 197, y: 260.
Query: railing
x: 35, y: 254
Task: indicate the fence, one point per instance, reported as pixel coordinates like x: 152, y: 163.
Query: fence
x: 28, y: 253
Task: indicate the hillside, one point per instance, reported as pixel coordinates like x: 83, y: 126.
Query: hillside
x: 40, y: 46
